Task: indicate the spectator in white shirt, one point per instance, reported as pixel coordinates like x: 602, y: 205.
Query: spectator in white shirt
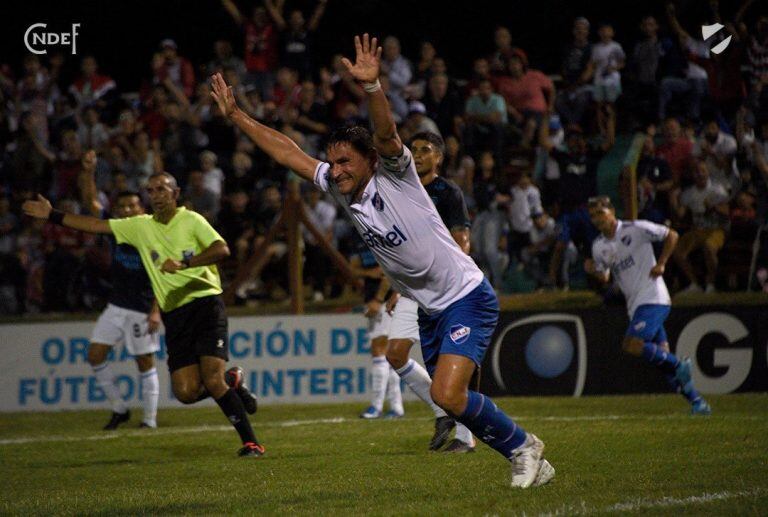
x: 707, y: 202
x: 718, y: 150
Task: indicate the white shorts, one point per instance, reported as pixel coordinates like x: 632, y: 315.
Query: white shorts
x: 117, y: 326
x: 379, y: 324
x: 405, y: 320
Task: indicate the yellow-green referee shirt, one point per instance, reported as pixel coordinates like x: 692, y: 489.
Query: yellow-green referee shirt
x: 186, y: 235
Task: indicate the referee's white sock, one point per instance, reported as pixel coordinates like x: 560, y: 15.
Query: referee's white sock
x: 394, y: 395
x: 417, y: 378
x: 150, y: 393
x: 379, y: 374
x: 105, y: 378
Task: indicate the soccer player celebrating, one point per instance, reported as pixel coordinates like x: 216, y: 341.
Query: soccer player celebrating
x: 624, y: 249
x: 131, y: 317
x: 179, y: 250
x: 375, y: 181
x: 428, y: 149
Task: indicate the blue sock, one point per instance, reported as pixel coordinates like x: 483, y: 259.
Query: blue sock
x: 491, y: 424
x: 690, y: 393
x: 657, y: 356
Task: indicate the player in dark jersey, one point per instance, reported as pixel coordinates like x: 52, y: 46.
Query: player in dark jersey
x: 427, y: 149
x: 131, y: 318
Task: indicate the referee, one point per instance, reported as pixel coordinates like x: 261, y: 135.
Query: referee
x: 179, y: 249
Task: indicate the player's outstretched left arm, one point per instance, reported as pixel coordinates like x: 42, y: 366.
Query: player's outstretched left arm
x: 669, y: 246
x: 41, y: 209
x: 366, y: 69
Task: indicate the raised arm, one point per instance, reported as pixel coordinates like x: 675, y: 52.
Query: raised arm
x: 278, y: 146
x: 42, y: 209
x: 317, y: 15
x: 233, y: 11
x: 87, y: 181
x: 366, y: 70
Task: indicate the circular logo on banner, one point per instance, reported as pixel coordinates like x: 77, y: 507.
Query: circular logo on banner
x: 549, y: 351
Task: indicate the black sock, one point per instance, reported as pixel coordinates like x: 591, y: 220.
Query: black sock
x: 233, y: 409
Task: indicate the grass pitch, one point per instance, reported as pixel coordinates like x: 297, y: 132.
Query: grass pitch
x: 630, y: 454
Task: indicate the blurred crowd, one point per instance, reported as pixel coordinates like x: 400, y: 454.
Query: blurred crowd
x: 528, y: 147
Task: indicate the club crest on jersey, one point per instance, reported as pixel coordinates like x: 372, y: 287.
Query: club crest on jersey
x: 378, y: 203
x: 627, y: 240
x: 187, y: 254
x: 459, y: 334
x: 155, y: 256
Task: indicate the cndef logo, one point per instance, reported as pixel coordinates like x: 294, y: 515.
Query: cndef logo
x: 36, y: 37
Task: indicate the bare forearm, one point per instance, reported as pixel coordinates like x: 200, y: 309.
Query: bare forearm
x: 277, y: 145
x: 385, y: 135
x: 212, y: 254
x: 461, y: 236
x: 86, y: 223
x: 669, y: 246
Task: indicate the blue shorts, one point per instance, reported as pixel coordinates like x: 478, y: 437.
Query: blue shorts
x: 464, y: 328
x: 648, y: 323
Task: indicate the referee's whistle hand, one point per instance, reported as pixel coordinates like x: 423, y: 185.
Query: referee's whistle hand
x: 171, y: 266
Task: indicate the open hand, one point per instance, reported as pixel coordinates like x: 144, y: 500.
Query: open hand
x: 222, y: 94
x: 367, y: 60
x: 39, y: 209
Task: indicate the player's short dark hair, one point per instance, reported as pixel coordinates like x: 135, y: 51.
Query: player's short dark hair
x: 433, y: 138
x: 169, y: 176
x: 356, y: 136
x: 128, y: 193
x: 600, y: 202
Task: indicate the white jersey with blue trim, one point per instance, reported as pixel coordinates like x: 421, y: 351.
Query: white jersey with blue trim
x: 400, y: 224
x: 629, y: 257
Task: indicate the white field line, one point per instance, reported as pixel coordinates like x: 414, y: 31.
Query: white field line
x: 164, y: 431
x: 636, y: 505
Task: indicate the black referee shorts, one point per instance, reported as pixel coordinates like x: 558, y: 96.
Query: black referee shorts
x: 195, y: 329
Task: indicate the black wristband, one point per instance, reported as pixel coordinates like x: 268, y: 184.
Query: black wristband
x: 56, y: 217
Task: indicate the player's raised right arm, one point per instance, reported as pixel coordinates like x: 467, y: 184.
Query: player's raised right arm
x: 42, y: 209
x: 278, y: 146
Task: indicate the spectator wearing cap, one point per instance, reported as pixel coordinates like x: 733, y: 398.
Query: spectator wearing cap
x: 169, y: 65
x: 529, y: 95
x: 577, y: 70
x: 417, y: 122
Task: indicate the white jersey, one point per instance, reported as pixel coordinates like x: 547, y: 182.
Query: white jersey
x: 629, y: 257
x: 400, y: 224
